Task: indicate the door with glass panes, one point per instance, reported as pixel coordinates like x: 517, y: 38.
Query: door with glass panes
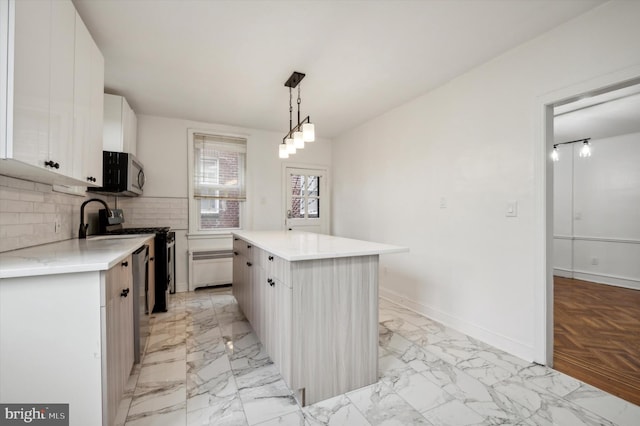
x: 307, y: 202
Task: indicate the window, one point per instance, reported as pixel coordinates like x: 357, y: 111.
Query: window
x: 216, y: 186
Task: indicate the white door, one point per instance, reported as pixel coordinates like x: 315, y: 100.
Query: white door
x: 307, y: 200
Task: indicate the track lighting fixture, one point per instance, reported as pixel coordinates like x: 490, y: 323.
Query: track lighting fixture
x: 585, y: 151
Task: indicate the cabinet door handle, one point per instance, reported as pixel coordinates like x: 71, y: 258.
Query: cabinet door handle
x: 235, y: 239
x: 124, y: 293
x: 235, y: 253
x: 52, y: 163
x: 249, y: 263
x: 125, y: 263
x: 271, y: 258
x: 249, y: 246
x: 271, y: 282
x: 151, y: 259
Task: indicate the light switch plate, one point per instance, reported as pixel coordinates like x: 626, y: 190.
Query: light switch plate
x: 512, y: 209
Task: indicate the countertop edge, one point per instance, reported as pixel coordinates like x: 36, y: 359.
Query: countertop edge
x: 389, y: 249
x: 31, y: 269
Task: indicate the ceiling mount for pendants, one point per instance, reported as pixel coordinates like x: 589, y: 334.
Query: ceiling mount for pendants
x: 294, y: 80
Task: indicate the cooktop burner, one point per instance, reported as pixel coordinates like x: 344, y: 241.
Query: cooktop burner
x: 148, y: 230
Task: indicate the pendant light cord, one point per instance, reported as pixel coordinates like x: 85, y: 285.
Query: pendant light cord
x: 290, y: 109
x: 298, y: 107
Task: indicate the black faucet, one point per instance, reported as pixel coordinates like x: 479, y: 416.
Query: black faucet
x: 82, y: 233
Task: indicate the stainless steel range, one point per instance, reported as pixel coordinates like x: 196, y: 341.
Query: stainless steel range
x: 165, y: 243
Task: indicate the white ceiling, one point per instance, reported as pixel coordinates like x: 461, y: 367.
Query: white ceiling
x: 606, y: 115
x: 226, y: 61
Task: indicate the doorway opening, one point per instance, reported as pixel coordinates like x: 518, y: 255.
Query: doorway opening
x: 593, y: 237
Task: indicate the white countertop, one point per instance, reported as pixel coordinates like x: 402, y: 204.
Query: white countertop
x: 70, y: 256
x: 296, y: 245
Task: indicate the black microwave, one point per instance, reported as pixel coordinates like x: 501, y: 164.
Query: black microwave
x: 122, y: 175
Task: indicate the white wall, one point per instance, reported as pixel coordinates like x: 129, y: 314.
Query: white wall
x: 162, y: 148
x: 597, y: 212
x: 469, y: 146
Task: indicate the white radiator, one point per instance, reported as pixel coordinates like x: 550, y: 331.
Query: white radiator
x: 210, y: 268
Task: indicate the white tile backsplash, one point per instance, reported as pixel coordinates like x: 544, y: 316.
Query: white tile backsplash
x: 29, y: 212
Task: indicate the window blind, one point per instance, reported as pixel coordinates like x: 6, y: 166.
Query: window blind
x: 219, y: 167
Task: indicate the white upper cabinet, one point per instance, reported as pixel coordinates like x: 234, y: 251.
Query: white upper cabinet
x: 31, y: 82
x: 47, y: 83
x: 61, y: 91
x: 89, y: 78
x: 120, y: 125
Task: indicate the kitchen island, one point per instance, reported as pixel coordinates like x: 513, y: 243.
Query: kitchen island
x: 66, y: 325
x: 312, y: 300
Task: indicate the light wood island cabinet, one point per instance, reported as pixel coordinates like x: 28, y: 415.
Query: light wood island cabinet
x: 313, y: 302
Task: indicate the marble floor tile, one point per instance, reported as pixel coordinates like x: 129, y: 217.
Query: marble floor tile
x: 209, y: 379
x: 204, y: 365
x: 453, y: 413
x: 415, y: 389
x: 267, y: 400
x: 548, y: 379
x: 222, y: 411
x: 483, y: 370
x: 295, y: 418
x: 199, y: 341
x: 165, y: 353
x: 610, y: 407
x: 336, y: 411
x: 380, y: 405
x: 150, y: 399
x: 177, y: 417
x: 162, y: 373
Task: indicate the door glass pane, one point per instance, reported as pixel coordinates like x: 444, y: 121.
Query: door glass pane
x: 313, y: 186
x: 313, y: 207
x: 297, y: 208
x: 297, y: 185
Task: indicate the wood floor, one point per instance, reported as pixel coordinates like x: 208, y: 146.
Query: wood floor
x: 597, y: 335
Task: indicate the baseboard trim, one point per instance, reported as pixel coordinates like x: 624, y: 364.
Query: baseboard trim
x: 499, y: 341
x: 598, y: 278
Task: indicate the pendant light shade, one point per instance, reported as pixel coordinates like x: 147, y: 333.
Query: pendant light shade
x: 554, y: 154
x: 291, y: 146
x: 298, y: 140
x: 282, y: 151
x: 585, y: 151
x: 308, y: 132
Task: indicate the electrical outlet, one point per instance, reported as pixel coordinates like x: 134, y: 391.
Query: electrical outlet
x: 512, y: 209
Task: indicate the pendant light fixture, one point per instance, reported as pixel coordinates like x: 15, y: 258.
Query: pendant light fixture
x: 302, y: 132
x: 585, y: 151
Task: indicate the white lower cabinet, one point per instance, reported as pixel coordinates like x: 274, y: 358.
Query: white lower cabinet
x: 68, y: 338
x: 118, y: 351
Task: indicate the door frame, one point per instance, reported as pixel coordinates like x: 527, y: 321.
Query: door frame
x: 543, y: 197
x: 321, y: 167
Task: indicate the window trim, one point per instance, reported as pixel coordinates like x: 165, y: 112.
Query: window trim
x: 193, y: 217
